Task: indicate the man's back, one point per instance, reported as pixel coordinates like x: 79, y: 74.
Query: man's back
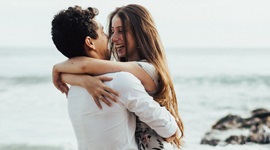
x: 113, y: 128
x: 109, y: 128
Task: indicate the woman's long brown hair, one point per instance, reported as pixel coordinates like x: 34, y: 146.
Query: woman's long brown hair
x: 139, y: 21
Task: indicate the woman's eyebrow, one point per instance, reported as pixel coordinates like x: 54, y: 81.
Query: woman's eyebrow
x: 116, y: 27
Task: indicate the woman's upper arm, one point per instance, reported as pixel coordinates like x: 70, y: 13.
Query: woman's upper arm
x: 142, y: 75
x: 97, y: 67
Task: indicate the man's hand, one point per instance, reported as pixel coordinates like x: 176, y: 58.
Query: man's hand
x: 177, y: 135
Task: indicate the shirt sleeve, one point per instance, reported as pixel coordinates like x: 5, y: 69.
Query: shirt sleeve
x: 135, y: 99
x: 151, y: 70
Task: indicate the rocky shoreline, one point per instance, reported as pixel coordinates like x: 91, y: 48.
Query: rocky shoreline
x: 233, y: 129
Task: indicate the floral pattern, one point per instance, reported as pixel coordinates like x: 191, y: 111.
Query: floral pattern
x: 148, y: 139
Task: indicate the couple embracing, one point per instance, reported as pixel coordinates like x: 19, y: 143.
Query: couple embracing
x: 122, y: 103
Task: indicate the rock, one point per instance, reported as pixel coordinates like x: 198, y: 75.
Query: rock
x: 255, y: 129
x: 259, y: 111
x: 212, y: 142
x: 250, y: 122
x: 228, y: 122
x: 260, y: 136
x: 236, y: 139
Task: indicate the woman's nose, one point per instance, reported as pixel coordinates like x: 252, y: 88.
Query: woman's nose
x: 115, y: 37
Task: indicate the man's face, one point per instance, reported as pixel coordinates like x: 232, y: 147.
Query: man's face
x: 101, y: 44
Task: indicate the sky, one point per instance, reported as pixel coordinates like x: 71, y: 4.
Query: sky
x: 181, y: 23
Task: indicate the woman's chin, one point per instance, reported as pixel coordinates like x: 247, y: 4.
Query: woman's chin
x: 121, y: 55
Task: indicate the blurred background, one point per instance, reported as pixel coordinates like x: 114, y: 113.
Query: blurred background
x: 218, y: 52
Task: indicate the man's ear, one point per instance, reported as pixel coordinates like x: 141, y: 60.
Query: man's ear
x: 89, y: 43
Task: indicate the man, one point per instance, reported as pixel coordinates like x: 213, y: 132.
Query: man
x: 75, y: 32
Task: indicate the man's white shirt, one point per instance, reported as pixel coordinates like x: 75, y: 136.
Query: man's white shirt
x: 113, y: 128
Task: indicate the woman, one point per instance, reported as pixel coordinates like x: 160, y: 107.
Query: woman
x: 133, y: 37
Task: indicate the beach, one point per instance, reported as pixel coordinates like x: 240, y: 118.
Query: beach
x: 210, y: 83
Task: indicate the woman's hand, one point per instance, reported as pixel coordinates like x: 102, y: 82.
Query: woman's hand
x: 99, y: 91
x: 57, y: 81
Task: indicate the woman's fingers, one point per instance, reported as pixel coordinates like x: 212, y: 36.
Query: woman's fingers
x: 110, y: 94
x: 111, y: 91
x: 65, y: 88
x: 99, y: 91
x: 102, y: 95
x: 58, y: 86
x: 105, y: 78
x: 97, y: 102
x: 105, y: 100
x: 58, y: 83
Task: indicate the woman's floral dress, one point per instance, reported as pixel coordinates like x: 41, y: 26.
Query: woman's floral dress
x: 146, y: 137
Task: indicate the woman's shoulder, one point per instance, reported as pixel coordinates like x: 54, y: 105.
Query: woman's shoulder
x: 150, y: 69
x: 146, y: 65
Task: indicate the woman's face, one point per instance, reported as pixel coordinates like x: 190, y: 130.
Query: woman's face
x: 119, y: 43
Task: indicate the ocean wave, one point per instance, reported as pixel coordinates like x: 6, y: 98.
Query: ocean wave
x: 25, y: 79
x: 29, y: 147
x: 225, y: 80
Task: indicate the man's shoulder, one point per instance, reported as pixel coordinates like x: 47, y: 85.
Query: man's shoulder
x: 124, y: 81
x: 118, y: 74
x: 123, y: 76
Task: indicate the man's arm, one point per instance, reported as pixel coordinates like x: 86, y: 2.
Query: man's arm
x: 137, y: 100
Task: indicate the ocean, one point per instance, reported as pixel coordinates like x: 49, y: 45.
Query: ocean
x: 210, y: 83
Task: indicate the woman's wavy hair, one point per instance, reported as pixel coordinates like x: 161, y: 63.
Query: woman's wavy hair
x: 139, y: 21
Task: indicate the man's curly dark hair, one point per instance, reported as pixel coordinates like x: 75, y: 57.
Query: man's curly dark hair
x: 70, y: 28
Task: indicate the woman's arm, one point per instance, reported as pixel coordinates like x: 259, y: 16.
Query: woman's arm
x: 93, y: 66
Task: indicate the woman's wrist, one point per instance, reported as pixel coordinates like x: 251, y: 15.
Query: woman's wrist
x: 82, y: 80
